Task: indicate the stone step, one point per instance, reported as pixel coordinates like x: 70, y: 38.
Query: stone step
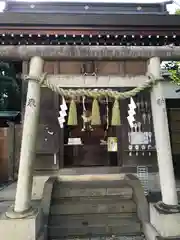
x: 92, y: 184
x: 123, y: 193
x: 137, y: 237
x: 87, y: 199
x: 92, y: 219
x: 92, y: 188
x: 168, y: 238
x: 94, y: 230
x: 93, y: 205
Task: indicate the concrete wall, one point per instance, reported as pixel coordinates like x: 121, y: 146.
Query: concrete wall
x: 169, y: 90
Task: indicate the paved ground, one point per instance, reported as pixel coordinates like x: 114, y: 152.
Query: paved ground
x: 8, y: 192
x: 7, y: 196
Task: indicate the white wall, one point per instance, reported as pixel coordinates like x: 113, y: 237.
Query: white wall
x: 169, y: 90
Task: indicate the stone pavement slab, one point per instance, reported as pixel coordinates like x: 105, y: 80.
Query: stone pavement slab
x: 8, y: 193
x: 4, y: 205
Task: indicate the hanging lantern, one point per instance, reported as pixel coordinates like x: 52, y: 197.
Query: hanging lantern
x: 10, y: 99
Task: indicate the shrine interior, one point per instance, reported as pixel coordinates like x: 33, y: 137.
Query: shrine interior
x: 173, y: 111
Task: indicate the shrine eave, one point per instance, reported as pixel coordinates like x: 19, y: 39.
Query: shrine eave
x: 90, y: 21
x: 86, y: 38
x: 86, y: 7
x: 90, y: 29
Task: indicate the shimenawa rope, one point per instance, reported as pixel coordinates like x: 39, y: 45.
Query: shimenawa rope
x: 94, y: 93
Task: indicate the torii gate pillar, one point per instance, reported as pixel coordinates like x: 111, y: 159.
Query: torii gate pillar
x: 22, y: 205
x: 164, y: 215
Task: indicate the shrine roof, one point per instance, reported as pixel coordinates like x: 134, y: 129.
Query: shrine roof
x: 86, y: 7
x: 90, y: 15
x: 67, y: 23
x: 89, y: 20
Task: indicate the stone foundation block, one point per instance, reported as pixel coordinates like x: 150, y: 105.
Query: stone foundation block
x: 20, y: 229
x: 167, y: 225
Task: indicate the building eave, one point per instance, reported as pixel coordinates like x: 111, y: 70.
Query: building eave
x: 87, y: 7
x: 8, y: 19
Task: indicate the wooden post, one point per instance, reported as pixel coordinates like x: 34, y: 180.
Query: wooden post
x: 11, y: 150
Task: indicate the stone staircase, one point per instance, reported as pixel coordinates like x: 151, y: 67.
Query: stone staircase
x: 93, y: 210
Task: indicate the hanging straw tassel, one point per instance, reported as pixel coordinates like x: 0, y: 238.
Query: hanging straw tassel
x: 116, y: 121
x: 72, y: 116
x: 95, y: 118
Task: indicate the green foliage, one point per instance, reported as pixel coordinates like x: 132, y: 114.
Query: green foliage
x: 10, y: 97
x: 173, y: 68
x: 177, y: 12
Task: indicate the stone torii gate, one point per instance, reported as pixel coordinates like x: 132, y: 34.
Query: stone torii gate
x: 22, y: 207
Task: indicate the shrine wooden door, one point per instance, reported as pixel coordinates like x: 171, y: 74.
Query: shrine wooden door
x: 48, y: 136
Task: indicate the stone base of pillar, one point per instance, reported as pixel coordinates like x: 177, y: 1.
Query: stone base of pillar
x: 167, y: 209
x: 20, y: 229
x: 20, y: 215
x: 167, y: 225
